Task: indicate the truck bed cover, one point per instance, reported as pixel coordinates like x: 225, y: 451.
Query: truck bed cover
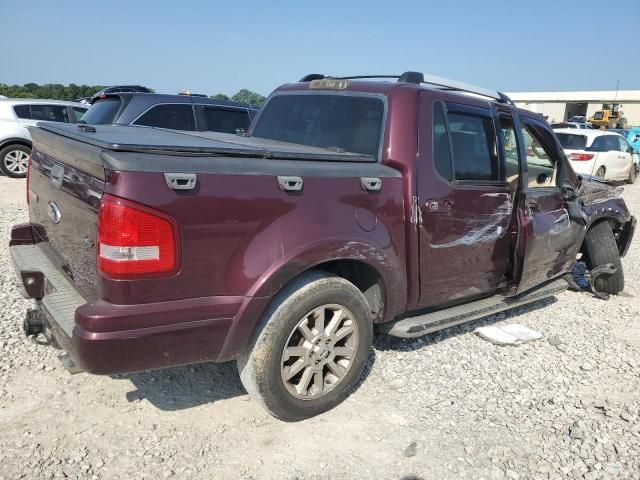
x: 129, y: 138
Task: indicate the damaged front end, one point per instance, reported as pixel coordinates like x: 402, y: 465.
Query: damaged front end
x: 602, y: 201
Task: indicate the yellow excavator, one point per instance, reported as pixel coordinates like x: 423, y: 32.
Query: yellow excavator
x: 609, y: 117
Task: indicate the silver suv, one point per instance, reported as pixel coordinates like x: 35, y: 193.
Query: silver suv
x: 16, y: 115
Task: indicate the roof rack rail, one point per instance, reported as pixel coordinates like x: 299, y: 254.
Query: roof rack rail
x: 419, y: 78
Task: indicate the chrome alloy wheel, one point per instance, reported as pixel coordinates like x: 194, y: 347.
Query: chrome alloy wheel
x: 16, y: 161
x: 319, y: 352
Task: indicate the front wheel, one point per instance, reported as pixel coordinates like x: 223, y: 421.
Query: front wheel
x: 13, y: 160
x: 601, y: 248
x: 312, y: 347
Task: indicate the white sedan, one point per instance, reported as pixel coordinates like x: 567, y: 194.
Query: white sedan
x: 598, y: 152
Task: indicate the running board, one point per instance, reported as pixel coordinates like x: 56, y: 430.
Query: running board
x: 412, y: 327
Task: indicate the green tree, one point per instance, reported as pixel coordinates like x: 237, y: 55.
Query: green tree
x: 248, y: 96
x: 220, y: 96
x: 53, y: 91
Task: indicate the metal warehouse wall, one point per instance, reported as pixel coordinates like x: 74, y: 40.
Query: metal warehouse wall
x: 556, y: 111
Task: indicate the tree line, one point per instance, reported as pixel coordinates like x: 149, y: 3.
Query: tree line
x: 56, y: 91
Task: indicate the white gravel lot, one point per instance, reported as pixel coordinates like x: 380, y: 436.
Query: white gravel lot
x: 446, y: 406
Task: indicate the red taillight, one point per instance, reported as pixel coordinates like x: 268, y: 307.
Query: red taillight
x: 28, y: 168
x: 134, y: 240
x: 581, y: 157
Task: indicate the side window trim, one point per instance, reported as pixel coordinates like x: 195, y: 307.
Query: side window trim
x: 511, y: 116
x: 487, y: 113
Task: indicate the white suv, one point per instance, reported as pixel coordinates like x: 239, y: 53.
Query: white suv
x: 599, y: 152
x: 16, y: 115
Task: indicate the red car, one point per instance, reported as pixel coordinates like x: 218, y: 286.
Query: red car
x: 350, y: 206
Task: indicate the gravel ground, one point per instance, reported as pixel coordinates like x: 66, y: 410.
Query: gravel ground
x: 446, y: 406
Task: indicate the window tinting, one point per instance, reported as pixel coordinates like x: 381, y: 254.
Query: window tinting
x: 225, y: 120
x: 22, y: 111
x: 347, y: 122
x: 174, y: 116
x: 605, y: 143
x: 102, y: 112
x: 571, y: 141
x: 50, y: 113
x: 441, y: 151
x: 474, y: 149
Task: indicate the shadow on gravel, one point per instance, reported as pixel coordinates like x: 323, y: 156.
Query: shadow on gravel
x: 194, y: 385
x: 186, y: 387
x: 386, y: 342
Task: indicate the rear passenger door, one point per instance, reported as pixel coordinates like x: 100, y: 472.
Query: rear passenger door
x: 465, y: 205
x: 547, y: 238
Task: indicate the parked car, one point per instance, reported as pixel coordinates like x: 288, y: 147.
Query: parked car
x: 349, y: 205
x: 602, y: 153
x: 176, y: 112
x: 570, y: 124
x: 16, y: 115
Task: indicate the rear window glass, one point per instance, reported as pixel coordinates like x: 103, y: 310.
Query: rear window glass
x: 22, y: 111
x: 173, y: 116
x: 102, y: 112
x: 225, y: 120
x: 50, y: 113
x: 345, y: 122
x: 571, y: 141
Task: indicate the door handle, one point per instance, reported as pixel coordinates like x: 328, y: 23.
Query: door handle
x: 372, y: 184
x: 533, y: 204
x: 290, y: 184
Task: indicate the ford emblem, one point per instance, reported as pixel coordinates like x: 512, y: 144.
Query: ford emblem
x: 54, y: 212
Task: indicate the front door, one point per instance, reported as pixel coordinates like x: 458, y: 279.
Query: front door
x: 465, y: 205
x: 548, y: 239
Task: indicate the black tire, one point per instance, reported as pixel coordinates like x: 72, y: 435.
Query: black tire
x: 632, y: 174
x: 601, y: 248
x: 7, y: 155
x: 260, y: 366
x: 600, y: 172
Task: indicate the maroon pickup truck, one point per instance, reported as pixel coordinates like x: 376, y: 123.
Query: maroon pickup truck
x: 350, y: 207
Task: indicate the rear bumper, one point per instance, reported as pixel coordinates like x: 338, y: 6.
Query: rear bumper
x: 103, y: 338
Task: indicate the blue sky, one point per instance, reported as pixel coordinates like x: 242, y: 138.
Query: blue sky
x: 222, y: 46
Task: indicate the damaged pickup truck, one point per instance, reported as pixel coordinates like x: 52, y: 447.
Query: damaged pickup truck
x: 350, y: 207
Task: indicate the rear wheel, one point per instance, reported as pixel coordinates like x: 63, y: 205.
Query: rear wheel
x: 601, y: 248
x: 13, y: 160
x: 600, y: 172
x: 312, y: 348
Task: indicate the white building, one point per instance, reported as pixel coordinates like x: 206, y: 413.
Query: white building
x: 560, y: 106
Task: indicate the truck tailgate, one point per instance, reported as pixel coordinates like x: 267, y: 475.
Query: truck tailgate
x: 65, y: 188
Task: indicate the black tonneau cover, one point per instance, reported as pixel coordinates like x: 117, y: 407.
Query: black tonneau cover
x: 130, y: 138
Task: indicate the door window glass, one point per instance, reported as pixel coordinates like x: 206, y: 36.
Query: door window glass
x: 22, y: 111
x: 624, y: 146
x: 50, y: 113
x: 542, y: 157
x: 510, y: 150
x: 173, y: 116
x: 79, y: 112
x: 225, y: 120
x: 441, y: 150
x: 474, y: 147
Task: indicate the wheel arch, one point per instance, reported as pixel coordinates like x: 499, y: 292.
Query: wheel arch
x: 362, y: 264
x: 15, y: 141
